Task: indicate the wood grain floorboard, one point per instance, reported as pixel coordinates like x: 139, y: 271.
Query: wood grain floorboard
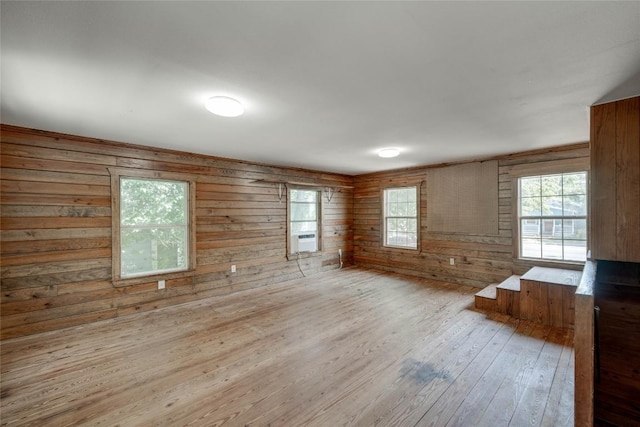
x: 350, y: 347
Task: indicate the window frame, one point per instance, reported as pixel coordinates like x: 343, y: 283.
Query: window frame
x: 383, y: 227
x: 552, y: 167
x: 319, y: 215
x: 116, y: 175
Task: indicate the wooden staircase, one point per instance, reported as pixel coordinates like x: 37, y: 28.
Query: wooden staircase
x: 543, y: 295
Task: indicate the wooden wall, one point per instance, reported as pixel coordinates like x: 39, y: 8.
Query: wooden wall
x: 479, y: 260
x: 56, y: 229
x: 615, y: 182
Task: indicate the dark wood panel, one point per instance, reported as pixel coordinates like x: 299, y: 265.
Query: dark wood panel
x: 628, y: 180
x: 615, y: 181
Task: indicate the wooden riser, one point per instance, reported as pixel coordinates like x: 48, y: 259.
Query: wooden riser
x: 486, y: 299
x: 508, y: 302
x: 547, y: 296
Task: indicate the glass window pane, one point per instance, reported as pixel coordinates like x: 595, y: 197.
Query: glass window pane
x: 575, y: 205
x: 574, y: 183
x: 412, y: 209
x: 562, y: 196
x: 308, y: 196
x: 530, y: 228
x: 391, y: 237
x: 552, y: 248
x: 531, y: 248
x: 303, y: 211
x: 551, y: 185
x: 530, y: 206
x: 551, y: 206
x: 412, y: 240
x: 575, y: 250
x: 530, y: 187
x: 575, y: 229
x: 303, y: 227
x: 400, y: 212
x: 153, y: 202
x: 392, y: 209
x: 149, y: 250
x: 412, y: 195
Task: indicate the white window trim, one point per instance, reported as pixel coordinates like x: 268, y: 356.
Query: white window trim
x: 319, y: 209
x: 383, y: 228
x: 117, y: 278
x: 577, y: 164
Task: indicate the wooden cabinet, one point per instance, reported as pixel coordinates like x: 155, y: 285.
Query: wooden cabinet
x: 617, y: 344
x: 615, y: 180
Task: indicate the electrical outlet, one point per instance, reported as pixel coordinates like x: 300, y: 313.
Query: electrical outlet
x: 452, y: 261
x: 233, y: 268
x: 160, y: 284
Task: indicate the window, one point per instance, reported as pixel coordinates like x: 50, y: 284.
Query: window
x: 401, y: 217
x: 152, y: 218
x: 552, y: 216
x: 304, y: 221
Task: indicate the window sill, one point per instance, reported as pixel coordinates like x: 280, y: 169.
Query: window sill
x: 121, y: 283
x: 303, y: 255
x: 401, y: 248
x: 533, y: 262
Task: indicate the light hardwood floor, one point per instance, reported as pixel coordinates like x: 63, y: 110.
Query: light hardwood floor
x: 349, y: 347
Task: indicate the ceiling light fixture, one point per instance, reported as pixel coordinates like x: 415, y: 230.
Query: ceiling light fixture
x: 388, y: 152
x: 224, y: 106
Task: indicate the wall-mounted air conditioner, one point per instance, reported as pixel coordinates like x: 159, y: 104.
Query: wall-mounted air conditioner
x: 304, y: 243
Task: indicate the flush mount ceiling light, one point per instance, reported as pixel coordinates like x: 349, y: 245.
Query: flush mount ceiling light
x: 224, y: 106
x: 388, y: 152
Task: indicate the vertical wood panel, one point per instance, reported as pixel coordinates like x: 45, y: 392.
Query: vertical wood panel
x: 584, y: 344
x: 615, y: 180
x: 555, y: 305
x: 628, y: 179
x: 603, y: 181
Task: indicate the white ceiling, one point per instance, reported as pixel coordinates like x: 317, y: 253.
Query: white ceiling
x: 325, y: 84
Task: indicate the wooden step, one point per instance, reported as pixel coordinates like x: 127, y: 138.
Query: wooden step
x: 555, y: 276
x: 547, y: 296
x: 486, y: 298
x: 511, y: 283
x: 508, y: 296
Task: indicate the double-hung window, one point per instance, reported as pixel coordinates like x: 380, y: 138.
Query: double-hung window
x: 153, y: 230
x: 552, y: 216
x: 400, y: 223
x: 304, y: 220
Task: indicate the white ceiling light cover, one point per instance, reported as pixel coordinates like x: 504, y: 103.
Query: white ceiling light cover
x: 224, y: 106
x: 388, y: 153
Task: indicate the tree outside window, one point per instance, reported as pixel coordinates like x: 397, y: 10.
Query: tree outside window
x: 154, y: 226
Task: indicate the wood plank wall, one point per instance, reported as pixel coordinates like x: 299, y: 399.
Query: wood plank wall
x: 615, y: 184
x: 479, y: 260
x: 56, y: 229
